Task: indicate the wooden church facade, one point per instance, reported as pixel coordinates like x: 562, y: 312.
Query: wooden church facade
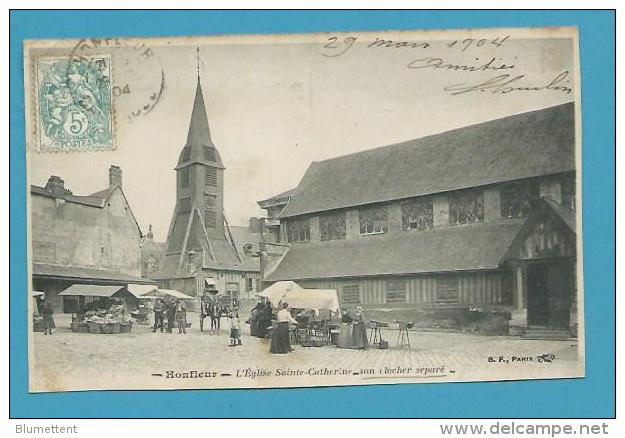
x: 481, y: 218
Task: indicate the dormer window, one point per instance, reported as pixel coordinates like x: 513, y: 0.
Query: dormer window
x: 417, y: 214
x: 466, y: 206
x: 373, y: 220
x: 298, y: 230
x: 209, y: 153
x: 516, y: 198
x: 332, y: 226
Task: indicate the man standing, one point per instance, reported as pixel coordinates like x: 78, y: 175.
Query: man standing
x: 159, y: 308
x: 170, y: 311
x: 181, y: 316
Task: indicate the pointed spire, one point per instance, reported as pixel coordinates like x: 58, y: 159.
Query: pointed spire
x: 197, y: 58
x: 199, y: 132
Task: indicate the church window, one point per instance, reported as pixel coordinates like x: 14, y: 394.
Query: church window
x: 332, y: 226
x: 417, y: 214
x: 516, y: 198
x: 373, y: 220
x: 466, y: 206
x: 298, y: 230
x: 210, y: 176
x: 185, y: 177
x: 209, y: 153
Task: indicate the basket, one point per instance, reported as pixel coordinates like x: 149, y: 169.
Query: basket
x: 110, y: 328
x: 94, y: 328
x: 125, y: 327
x: 79, y: 327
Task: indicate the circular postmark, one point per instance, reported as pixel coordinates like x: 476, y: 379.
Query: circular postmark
x: 139, y: 76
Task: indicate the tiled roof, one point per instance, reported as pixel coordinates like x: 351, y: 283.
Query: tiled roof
x: 519, y: 146
x: 455, y: 248
x: 81, y: 273
x: 94, y: 200
x: 281, y: 197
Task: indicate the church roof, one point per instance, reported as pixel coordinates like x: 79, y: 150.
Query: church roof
x: 445, y: 249
x: 199, y: 147
x: 519, y: 146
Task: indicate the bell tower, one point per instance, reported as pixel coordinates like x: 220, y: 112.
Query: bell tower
x: 198, y: 228
x: 199, y: 173
x: 199, y: 244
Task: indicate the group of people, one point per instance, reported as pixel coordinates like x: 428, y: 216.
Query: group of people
x: 175, y: 312
x: 353, y: 330
x: 260, y: 319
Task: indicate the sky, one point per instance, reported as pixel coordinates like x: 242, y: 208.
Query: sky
x: 275, y: 104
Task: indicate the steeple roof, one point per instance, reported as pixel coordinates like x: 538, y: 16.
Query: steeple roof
x: 199, y: 147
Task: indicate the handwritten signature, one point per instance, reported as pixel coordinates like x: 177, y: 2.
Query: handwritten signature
x: 441, y: 64
x: 507, y: 83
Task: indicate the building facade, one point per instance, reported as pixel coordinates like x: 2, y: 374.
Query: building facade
x: 445, y: 229
x: 200, y: 247
x: 82, y: 239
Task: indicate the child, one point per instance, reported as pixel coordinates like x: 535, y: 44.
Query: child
x: 235, y: 330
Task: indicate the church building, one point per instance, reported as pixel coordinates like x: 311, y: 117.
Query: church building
x: 472, y: 229
x: 200, y: 247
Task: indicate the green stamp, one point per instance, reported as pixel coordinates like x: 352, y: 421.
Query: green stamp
x: 74, y: 103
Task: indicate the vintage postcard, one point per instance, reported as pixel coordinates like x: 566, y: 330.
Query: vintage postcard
x: 304, y: 210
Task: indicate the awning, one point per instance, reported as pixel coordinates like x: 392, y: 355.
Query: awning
x: 278, y: 290
x: 91, y: 290
x: 138, y: 290
x: 161, y: 293
x: 300, y: 298
x: 210, y: 282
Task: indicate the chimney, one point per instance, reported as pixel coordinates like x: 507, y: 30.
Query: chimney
x: 254, y: 224
x: 55, y: 185
x: 115, y: 176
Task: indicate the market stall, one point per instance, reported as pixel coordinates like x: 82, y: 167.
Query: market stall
x: 99, y: 309
x: 314, y: 310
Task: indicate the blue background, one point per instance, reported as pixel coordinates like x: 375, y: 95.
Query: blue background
x: 593, y: 396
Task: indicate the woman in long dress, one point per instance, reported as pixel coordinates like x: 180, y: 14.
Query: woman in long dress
x: 280, y: 338
x: 263, y: 320
x: 359, y: 331
x: 48, y: 320
x: 345, y: 331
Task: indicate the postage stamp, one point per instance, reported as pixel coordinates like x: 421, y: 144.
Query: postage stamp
x: 74, y: 103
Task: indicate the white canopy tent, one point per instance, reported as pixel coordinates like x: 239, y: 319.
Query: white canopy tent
x: 300, y: 298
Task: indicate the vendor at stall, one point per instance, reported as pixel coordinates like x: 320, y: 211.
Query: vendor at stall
x: 353, y: 332
x: 280, y: 339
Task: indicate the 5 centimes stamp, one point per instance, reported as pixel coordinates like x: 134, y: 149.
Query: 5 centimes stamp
x: 74, y: 103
